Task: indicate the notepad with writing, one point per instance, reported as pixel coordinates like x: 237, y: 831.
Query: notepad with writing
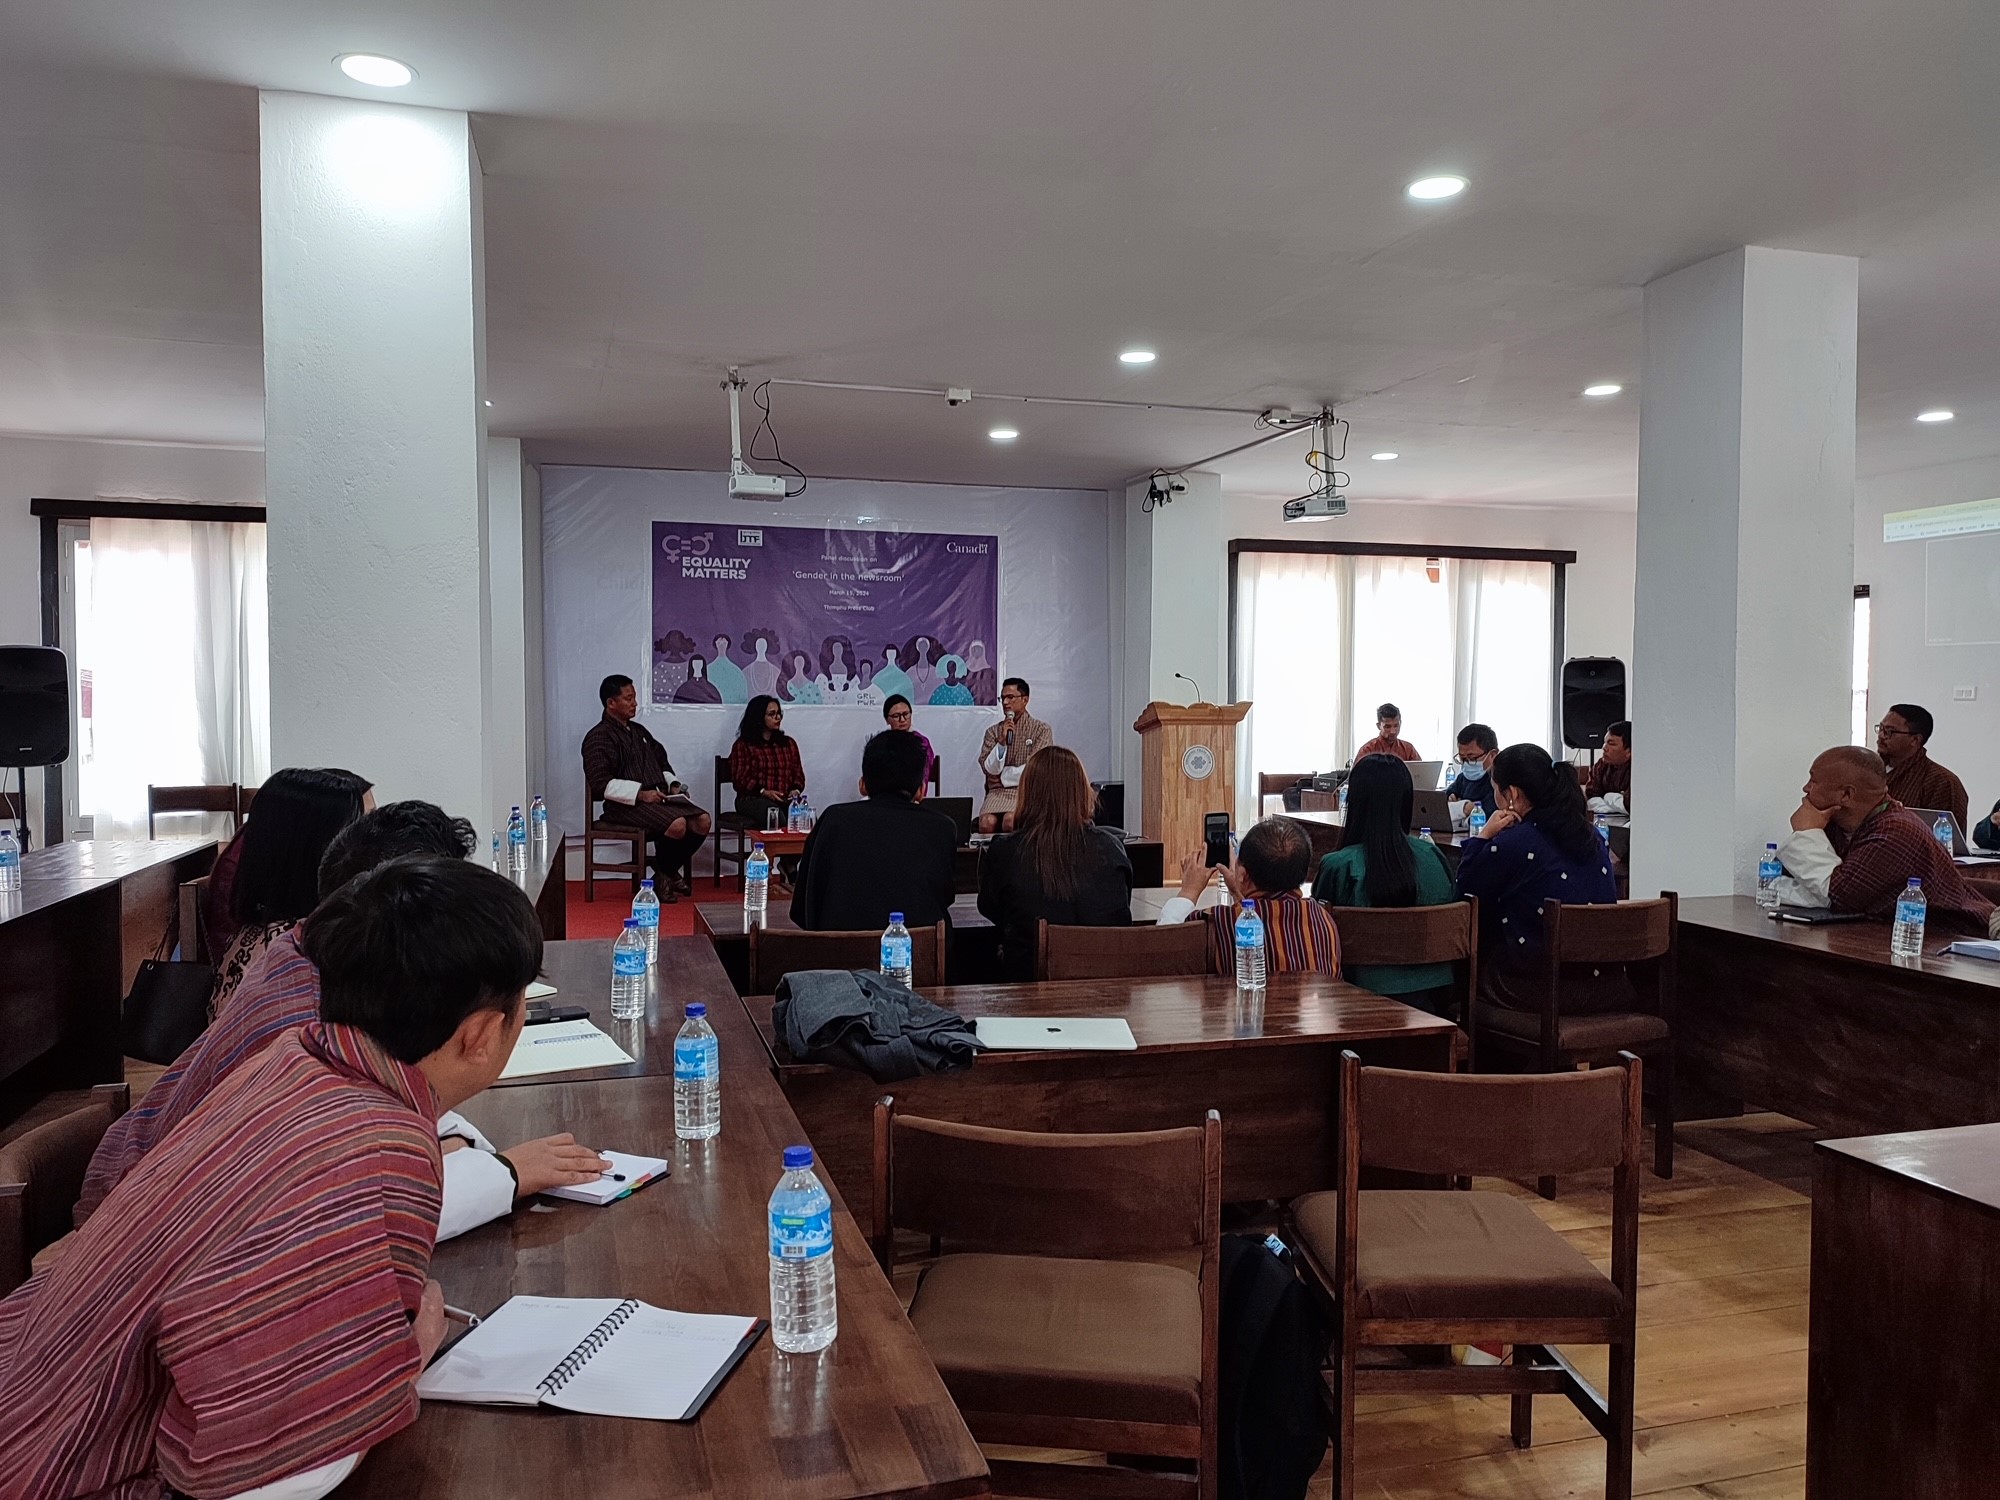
x: 601, y: 1355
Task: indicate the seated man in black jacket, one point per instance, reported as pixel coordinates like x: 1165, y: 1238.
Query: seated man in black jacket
x: 864, y: 860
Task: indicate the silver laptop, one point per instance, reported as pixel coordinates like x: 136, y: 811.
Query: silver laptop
x: 1426, y: 775
x: 1930, y: 815
x: 1056, y: 1033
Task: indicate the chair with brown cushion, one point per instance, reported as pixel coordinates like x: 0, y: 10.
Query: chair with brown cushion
x: 41, y: 1177
x: 1447, y: 934
x: 1437, y: 1268
x: 226, y: 799
x: 1137, y: 952
x: 597, y: 832
x: 776, y: 952
x: 1075, y: 1301
x: 1640, y: 936
x: 729, y: 822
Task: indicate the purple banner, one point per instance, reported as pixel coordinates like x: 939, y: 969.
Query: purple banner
x: 823, y: 617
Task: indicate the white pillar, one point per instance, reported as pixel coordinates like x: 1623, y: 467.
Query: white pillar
x: 375, y: 447
x: 1744, y: 614
x: 507, y: 674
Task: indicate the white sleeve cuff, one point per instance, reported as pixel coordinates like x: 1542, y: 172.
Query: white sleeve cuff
x: 1177, y: 910
x: 478, y: 1188
x: 1809, y: 860
x: 1011, y: 775
x: 621, y: 791
x: 451, y: 1123
x: 995, y: 758
x: 309, y: 1485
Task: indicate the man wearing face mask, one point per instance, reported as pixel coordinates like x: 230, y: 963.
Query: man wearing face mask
x: 1477, y: 746
x: 1004, y: 751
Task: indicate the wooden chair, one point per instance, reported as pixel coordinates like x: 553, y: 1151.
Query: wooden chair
x: 1415, y: 1268
x: 1642, y: 937
x: 1447, y: 934
x: 41, y: 1177
x: 1120, y: 1232
x: 776, y: 952
x: 194, y: 799
x: 244, y: 797
x: 1275, y: 783
x: 193, y: 896
x: 595, y: 832
x: 729, y: 822
x: 1137, y: 952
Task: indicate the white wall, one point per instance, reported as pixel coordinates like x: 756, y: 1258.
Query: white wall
x: 1902, y: 669
x: 60, y: 469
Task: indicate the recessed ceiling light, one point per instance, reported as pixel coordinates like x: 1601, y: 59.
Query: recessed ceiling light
x: 374, y: 70
x: 489, y: 403
x: 1138, y: 357
x: 1003, y: 434
x: 1428, y: 189
x: 1604, y: 388
x: 1383, y: 458
x: 1940, y: 415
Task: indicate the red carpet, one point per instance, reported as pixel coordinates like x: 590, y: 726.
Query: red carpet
x: 605, y: 917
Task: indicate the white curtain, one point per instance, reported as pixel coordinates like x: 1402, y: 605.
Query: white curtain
x: 1403, y: 653
x: 1502, y: 650
x: 178, y: 647
x: 1292, y: 616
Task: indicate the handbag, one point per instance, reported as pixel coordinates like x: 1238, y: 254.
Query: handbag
x: 168, y: 1006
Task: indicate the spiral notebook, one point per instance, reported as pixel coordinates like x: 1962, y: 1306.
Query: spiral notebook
x: 600, y: 1355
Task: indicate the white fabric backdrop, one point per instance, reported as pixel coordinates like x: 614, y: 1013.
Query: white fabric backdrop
x: 597, y: 611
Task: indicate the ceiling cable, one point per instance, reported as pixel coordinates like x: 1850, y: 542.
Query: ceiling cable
x: 956, y: 399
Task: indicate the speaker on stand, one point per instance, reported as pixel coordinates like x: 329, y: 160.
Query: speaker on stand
x: 34, y: 714
x: 1593, y: 699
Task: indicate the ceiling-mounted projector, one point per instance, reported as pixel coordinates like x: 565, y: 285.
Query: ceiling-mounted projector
x: 746, y: 485
x: 1324, y: 501
x: 1324, y: 506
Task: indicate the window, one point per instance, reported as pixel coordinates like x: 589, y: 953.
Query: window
x: 1322, y: 637
x: 1858, y: 711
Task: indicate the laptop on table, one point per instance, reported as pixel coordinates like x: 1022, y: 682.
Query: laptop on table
x: 959, y: 810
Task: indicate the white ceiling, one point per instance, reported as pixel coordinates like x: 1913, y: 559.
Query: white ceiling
x: 1002, y: 195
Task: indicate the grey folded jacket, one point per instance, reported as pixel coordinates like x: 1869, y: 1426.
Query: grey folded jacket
x: 865, y: 1021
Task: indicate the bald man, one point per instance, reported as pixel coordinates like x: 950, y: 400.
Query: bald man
x: 1854, y: 848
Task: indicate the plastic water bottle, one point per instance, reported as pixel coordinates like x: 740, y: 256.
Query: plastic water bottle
x: 538, y: 827
x: 697, y: 1078
x: 792, y: 814
x: 1769, y: 873
x: 807, y: 817
x: 1604, y: 830
x: 1906, y: 938
x: 628, y: 973
x: 496, y: 852
x: 1424, y: 834
x: 1249, y: 950
x: 1475, y: 823
x: 896, y: 963
x: 756, y: 884
x: 517, y: 843
x: 646, y: 912
x: 10, y: 861
x: 1343, y: 799
x: 804, y: 1318
x: 1945, y: 834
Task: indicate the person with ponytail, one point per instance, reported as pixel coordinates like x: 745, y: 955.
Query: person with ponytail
x: 1538, y: 846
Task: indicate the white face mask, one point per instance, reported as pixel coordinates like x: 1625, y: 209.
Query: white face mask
x: 1471, y: 770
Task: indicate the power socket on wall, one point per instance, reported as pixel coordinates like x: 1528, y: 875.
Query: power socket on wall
x: 1964, y: 694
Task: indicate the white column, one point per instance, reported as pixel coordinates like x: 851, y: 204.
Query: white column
x: 507, y: 674
x: 1744, y: 613
x: 1176, y: 607
x: 375, y: 447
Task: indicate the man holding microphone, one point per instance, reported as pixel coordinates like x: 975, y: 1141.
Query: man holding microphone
x: 1004, y: 751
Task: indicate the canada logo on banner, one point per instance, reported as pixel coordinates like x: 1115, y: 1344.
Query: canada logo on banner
x: 824, y: 617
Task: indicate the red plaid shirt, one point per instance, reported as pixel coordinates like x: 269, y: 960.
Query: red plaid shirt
x: 766, y: 769
x: 1878, y: 859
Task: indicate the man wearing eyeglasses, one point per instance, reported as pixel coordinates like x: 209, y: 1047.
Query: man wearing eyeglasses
x: 1915, y: 780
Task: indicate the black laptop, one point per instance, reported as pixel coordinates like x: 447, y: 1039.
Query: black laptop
x: 959, y: 810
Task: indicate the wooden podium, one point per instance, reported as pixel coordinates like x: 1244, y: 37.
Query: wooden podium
x: 1189, y: 769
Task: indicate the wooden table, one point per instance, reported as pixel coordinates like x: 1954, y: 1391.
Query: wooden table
x: 546, y: 881
x: 71, y: 940
x: 1821, y: 1024
x: 687, y: 972
x: 1272, y: 1076
x: 1905, y: 1343
x: 866, y: 1417
x: 1148, y: 858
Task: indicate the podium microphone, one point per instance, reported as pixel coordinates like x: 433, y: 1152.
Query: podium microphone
x: 1191, y: 683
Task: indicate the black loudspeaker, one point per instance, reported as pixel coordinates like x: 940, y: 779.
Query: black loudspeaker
x: 1593, y: 700
x: 34, y: 706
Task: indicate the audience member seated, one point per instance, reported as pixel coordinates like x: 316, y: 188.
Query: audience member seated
x: 1987, y: 834
x: 281, y: 993
x: 898, y: 715
x: 1539, y: 846
x: 889, y: 853
x: 1477, y: 746
x: 1389, y: 736
x: 1915, y: 780
x: 1609, y: 789
x: 764, y: 764
x: 1056, y: 866
x: 628, y: 770
x: 251, y: 1304
x: 1272, y: 862
x: 299, y: 810
x: 1854, y: 848
x: 1381, y: 863
x: 1004, y: 752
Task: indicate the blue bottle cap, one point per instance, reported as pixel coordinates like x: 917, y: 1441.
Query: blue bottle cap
x: 797, y: 1157
x: 696, y: 1009
x: 757, y: 847
x: 631, y: 921
x: 895, y: 916
x: 645, y: 885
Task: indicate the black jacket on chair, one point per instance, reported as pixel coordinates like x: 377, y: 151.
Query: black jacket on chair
x: 864, y: 860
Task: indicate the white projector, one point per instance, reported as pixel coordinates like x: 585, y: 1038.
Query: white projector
x: 1321, y: 507
x: 748, y: 486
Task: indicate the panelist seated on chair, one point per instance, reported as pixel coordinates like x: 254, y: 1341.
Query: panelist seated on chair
x: 1854, y: 848
x: 1539, y: 846
x: 251, y: 1307
x: 1272, y: 862
x: 764, y: 763
x: 1056, y: 866
x: 1380, y: 863
x: 898, y: 715
x: 886, y: 853
x: 1388, y: 736
x: 625, y: 767
x: 1004, y: 751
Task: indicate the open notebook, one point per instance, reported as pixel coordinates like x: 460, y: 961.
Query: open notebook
x: 599, y: 1355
